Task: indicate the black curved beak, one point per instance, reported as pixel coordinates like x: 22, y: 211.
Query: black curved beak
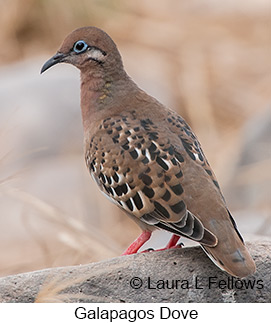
x: 57, y: 58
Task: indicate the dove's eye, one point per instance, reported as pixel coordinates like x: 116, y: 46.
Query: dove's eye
x: 80, y: 46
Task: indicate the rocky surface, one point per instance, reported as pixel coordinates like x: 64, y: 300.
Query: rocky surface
x: 183, y: 275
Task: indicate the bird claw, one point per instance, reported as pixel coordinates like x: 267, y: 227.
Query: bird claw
x: 147, y: 250
x: 177, y: 246
x: 180, y: 245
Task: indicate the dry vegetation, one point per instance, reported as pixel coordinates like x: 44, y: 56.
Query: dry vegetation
x: 209, y: 61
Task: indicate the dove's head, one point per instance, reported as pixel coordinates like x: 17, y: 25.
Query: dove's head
x: 90, y: 49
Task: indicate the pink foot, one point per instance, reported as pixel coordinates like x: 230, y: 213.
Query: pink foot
x: 138, y: 243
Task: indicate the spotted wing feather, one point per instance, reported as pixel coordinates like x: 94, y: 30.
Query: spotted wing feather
x: 190, y: 143
x: 141, y: 171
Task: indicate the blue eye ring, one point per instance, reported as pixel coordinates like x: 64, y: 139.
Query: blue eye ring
x: 80, y: 46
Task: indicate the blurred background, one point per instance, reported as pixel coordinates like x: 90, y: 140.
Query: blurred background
x: 209, y: 60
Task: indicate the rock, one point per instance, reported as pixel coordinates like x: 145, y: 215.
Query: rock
x: 180, y: 275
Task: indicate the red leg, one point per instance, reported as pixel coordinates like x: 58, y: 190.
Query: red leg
x: 172, y: 243
x: 138, y: 243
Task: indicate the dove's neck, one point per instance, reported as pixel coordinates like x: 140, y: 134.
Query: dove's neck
x: 103, y: 95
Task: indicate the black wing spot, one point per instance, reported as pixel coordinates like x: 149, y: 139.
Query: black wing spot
x: 118, y: 190
x: 161, y: 210
x: 109, y: 180
x: 177, y: 189
x: 166, y: 196
x: 178, y: 207
x: 174, y: 162
x: 167, y: 178
x: 148, y: 192
x: 109, y: 190
x: 138, y: 201
x: 179, y: 175
x: 145, y: 160
x: 187, y: 147
x: 134, y: 154
x: 153, y: 155
x: 152, y: 147
x: 216, y: 184
x: 153, y: 135
x: 101, y: 175
x: 92, y: 167
x: 208, y: 172
x: 200, y: 157
x: 161, y: 163
x: 124, y: 188
x: 116, y: 177
x: 130, y: 205
x: 146, y: 179
x: 125, y: 146
x: 179, y: 157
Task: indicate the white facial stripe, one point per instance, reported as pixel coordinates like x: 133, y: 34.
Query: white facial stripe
x: 96, y: 54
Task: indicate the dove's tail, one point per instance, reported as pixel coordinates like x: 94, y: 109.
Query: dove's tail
x: 231, y: 253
